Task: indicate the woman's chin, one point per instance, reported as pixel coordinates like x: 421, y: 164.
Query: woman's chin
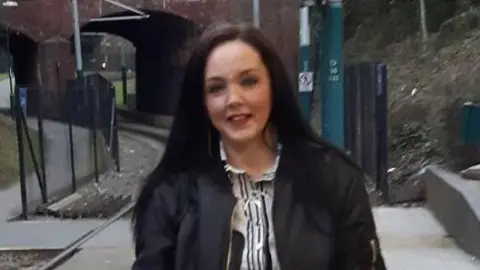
x: 242, y: 137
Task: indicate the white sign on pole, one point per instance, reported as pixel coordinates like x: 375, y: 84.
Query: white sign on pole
x: 305, y: 81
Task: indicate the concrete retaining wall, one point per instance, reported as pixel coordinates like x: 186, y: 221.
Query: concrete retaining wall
x: 455, y: 202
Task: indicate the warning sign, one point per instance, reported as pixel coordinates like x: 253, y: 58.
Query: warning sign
x: 305, y: 81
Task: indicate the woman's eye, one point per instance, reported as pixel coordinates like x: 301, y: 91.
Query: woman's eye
x: 249, y: 81
x: 214, y: 88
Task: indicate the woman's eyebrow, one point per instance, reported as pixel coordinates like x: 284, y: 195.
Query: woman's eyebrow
x: 246, y: 71
x: 215, y: 78
x: 241, y: 73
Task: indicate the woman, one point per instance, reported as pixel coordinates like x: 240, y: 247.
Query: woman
x: 245, y: 183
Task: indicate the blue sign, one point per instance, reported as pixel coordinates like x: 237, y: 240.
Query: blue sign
x: 22, y: 91
x: 469, y: 124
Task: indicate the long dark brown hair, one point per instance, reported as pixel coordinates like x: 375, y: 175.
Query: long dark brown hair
x: 192, y: 136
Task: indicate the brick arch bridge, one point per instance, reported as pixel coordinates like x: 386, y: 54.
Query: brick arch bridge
x: 45, y: 28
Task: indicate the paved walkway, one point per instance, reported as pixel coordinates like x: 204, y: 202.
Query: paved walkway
x: 5, y: 93
x: 57, y: 160
x: 411, y: 240
x: 43, y: 234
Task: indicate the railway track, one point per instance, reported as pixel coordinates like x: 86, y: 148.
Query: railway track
x: 132, y: 128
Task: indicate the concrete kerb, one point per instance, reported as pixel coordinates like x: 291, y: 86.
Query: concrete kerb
x: 161, y: 121
x: 158, y: 134
x: 75, y: 246
x: 150, y: 139
x: 40, y: 235
x: 455, y: 202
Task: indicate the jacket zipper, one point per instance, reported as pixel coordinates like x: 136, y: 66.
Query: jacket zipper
x: 273, y: 228
x: 229, y: 253
x: 373, y: 245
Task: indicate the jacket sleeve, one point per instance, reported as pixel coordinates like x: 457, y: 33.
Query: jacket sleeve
x: 156, y: 232
x: 358, y: 247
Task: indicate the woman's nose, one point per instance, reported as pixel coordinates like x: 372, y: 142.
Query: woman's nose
x: 234, y: 96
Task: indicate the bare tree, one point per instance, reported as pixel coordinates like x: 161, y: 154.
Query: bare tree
x: 462, y: 5
x: 423, y: 24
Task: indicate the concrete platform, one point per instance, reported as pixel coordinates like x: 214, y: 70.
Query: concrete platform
x: 5, y: 93
x: 455, y: 202
x: 101, y: 258
x: 43, y: 234
x: 119, y: 234
x: 411, y: 239
x: 111, y: 249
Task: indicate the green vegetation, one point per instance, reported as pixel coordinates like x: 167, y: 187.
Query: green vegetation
x: 119, y: 89
x: 3, y: 76
x: 116, y: 79
x: 9, y: 169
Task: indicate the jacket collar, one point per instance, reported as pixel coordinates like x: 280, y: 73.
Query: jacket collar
x: 268, y: 175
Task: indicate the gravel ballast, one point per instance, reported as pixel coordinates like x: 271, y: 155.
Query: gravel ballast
x: 138, y: 156
x: 25, y: 260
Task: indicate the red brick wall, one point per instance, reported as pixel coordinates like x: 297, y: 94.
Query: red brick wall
x: 49, y: 23
x: 279, y: 22
x: 43, y: 20
x: 51, y: 53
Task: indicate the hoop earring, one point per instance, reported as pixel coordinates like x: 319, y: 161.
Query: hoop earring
x: 209, y: 143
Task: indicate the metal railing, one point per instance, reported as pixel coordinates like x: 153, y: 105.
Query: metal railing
x: 366, y: 114
x: 88, y: 105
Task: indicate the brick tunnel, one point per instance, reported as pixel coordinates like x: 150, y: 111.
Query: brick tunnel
x: 161, y: 41
x: 161, y: 44
x: 22, y: 50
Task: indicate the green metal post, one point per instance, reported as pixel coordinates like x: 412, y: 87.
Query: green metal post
x: 124, y: 75
x: 332, y: 74
x: 305, y: 76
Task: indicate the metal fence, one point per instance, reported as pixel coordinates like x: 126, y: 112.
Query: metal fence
x: 87, y: 105
x: 366, y: 114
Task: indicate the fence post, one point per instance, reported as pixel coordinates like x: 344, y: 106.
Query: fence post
x: 93, y: 99
x: 115, y: 146
x: 305, y: 75
x: 349, y: 107
x: 40, y: 139
x: 21, y: 158
x: 124, y: 76
x: 369, y: 142
x: 353, y: 113
x: 34, y: 158
x: 382, y: 131
x: 70, y: 134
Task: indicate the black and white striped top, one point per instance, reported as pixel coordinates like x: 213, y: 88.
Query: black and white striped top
x: 253, y: 215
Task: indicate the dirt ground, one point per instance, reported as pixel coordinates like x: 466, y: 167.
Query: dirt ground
x: 25, y: 260
x: 427, y: 87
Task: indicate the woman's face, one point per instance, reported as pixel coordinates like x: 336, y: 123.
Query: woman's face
x: 237, y: 92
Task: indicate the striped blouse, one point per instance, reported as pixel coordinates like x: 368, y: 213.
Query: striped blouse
x: 253, y: 215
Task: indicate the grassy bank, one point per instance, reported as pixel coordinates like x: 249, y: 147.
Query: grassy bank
x: 9, y: 167
x: 119, y: 89
x: 3, y: 76
x: 116, y: 79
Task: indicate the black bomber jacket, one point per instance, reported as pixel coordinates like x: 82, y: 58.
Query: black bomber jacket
x: 321, y: 213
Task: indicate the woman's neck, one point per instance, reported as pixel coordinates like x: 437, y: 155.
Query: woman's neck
x: 254, y: 157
